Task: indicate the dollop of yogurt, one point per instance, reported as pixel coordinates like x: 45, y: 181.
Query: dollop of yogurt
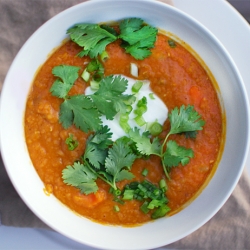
x: 156, y: 109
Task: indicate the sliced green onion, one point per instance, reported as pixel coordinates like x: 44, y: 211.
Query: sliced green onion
x: 154, y: 203
x: 137, y: 86
x: 134, y: 69
x: 98, y: 76
x: 155, y: 128
x: 151, y: 96
x: 142, y: 102
x: 160, y: 212
x: 130, y: 101
x: 71, y: 142
x: 129, y: 108
x: 156, y: 192
x: 140, y: 110
x: 124, y: 117
x: 94, y: 85
x: 144, y: 207
x: 142, y: 188
x: 144, y: 172
x: 124, y: 122
x: 104, y: 56
x: 93, y: 65
x: 125, y: 126
x: 128, y: 194
x: 140, y: 121
x: 116, y: 208
x: 163, y: 184
x: 85, y: 75
x: 117, y: 192
x: 118, y: 200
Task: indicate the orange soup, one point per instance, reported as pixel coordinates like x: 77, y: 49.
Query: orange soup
x: 177, y: 78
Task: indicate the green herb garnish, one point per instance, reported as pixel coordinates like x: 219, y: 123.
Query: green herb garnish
x: 85, y: 111
x: 183, y: 120
x: 112, y: 161
x: 71, y: 142
x: 137, y: 38
x: 111, y: 164
x: 81, y: 177
x: 67, y: 76
x: 152, y: 196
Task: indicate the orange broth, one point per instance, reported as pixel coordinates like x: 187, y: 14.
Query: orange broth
x: 177, y: 78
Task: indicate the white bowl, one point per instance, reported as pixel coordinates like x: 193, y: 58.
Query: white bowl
x: 24, y: 177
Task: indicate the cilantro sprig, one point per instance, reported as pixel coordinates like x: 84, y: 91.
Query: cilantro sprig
x: 101, y: 160
x: 67, y: 76
x: 84, y: 111
x: 137, y: 38
x: 92, y: 37
x: 112, y: 161
x: 182, y: 120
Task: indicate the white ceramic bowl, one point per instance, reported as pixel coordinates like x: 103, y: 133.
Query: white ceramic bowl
x: 24, y: 177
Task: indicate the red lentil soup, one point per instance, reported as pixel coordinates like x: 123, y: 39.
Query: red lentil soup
x: 177, y: 77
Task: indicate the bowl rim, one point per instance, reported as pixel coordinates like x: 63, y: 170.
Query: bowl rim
x: 90, y: 3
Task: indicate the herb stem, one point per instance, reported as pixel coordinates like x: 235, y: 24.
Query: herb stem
x: 113, y: 185
x: 162, y: 149
x: 164, y: 142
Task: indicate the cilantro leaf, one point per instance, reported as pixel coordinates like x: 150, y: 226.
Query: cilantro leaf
x: 95, y: 155
x: 175, y: 154
x: 143, y: 143
x: 191, y: 134
x: 79, y: 110
x: 91, y: 37
x: 139, y: 38
x: 185, y: 120
x: 119, y: 158
x: 109, y: 98
x: 129, y: 25
x: 124, y: 175
x: 81, y: 177
x: 68, y: 75
x: 103, y: 137
x: 97, y: 147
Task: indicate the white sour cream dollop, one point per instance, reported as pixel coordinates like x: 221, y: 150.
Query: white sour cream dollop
x: 156, y: 109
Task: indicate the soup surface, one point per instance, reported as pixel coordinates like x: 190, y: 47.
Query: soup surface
x: 177, y: 78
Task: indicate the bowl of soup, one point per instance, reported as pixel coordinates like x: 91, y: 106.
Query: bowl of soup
x: 124, y: 124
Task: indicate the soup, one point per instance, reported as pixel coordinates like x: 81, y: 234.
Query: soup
x: 179, y: 80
